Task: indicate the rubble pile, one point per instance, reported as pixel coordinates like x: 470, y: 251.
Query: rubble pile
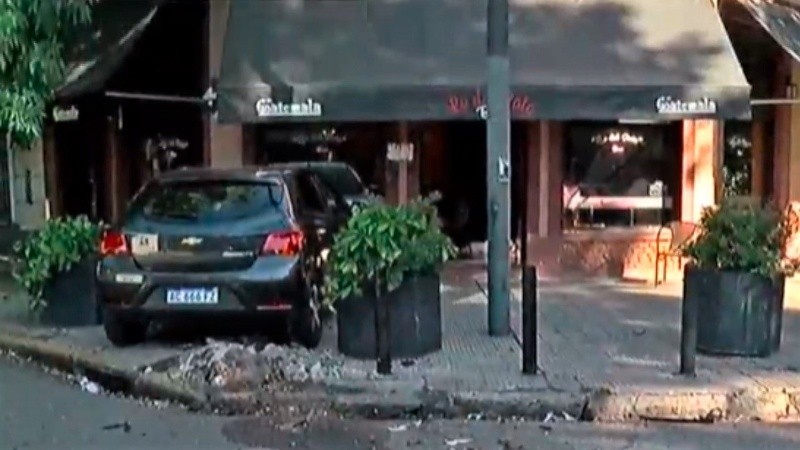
x: 236, y: 367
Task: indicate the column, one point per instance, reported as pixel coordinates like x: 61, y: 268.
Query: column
x: 698, y: 183
x: 757, y: 152
x: 115, y: 198
x: 225, y: 140
x: 543, y: 184
x: 402, y: 177
x: 52, y: 179
x: 792, y: 156
x: 782, y: 133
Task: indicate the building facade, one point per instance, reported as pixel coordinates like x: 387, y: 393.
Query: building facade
x: 627, y: 114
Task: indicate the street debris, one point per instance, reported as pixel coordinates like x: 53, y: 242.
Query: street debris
x: 554, y: 417
x: 124, y: 426
x: 89, y: 386
x: 404, y: 426
x: 236, y: 367
x: 456, y: 442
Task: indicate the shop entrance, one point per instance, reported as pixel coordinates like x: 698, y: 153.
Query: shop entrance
x: 79, y: 146
x: 464, y: 192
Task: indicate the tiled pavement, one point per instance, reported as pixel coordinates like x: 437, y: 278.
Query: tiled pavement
x: 470, y: 360
x: 627, y: 337
x: 606, y: 333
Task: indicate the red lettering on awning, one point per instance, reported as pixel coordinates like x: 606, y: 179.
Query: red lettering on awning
x: 520, y: 105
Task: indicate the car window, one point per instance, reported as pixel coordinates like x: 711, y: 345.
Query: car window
x: 209, y: 201
x: 310, y: 197
x: 342, y: 179
x: 329, y: 196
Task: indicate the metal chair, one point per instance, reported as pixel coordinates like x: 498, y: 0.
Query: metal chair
x: 680, y: 234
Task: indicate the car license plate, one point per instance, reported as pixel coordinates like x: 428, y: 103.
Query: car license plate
x: 144, y: 244
x: 193, y: 296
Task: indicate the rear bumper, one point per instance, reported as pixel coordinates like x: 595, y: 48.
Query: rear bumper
x: 271, y: 285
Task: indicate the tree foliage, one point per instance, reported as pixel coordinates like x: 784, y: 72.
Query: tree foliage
x: 35, y: 36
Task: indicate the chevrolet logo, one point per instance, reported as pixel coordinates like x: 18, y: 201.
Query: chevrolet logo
x: 191, y: 240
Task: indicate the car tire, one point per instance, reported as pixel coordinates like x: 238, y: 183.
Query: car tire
x: 124, y: 331
x: 307, y: 322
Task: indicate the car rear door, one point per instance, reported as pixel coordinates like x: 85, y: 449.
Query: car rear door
x: 336, y: 206
x: 314, y: 213
x: 204, y: 225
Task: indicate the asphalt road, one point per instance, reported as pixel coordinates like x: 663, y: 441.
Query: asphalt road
x: 42, y: 411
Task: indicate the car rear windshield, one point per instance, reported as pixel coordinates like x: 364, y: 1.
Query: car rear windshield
x: 341, y: 179
x: 209, y: 201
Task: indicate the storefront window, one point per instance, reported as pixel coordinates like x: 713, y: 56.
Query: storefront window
x: 737, y: 161
x: 619, y: 175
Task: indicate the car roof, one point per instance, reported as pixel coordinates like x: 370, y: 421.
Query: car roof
x: 247, y: 173
x: 307, y: 164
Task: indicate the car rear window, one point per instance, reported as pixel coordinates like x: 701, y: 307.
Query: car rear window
x: 209, y: 201
x: 341, y: 179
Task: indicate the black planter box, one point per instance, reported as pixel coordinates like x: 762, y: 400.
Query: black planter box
x: 71, y: 298
x: 415, y: 317
x: 739, y: 314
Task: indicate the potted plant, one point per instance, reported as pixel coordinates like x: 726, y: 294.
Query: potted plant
x: 736, y: 275
x: 396, y: 252
x: 55, y: 265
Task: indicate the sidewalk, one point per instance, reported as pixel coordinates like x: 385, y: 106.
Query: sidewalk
x: 608, y: 351
x: 621, y: 341
x: 472, y: 373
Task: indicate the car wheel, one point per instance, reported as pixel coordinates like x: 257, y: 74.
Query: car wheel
x: 124, y: 331
x: 306, y: 321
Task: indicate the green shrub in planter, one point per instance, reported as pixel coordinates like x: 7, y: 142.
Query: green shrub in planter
x: 394, y: 252
x: 58, y: 247
x: 737, y: 275
x: 744, y: 235
x: 386, y: 243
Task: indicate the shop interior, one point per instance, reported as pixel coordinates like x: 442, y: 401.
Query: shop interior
x: 620, y: 175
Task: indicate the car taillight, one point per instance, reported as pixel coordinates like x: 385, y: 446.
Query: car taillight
x: 113, y: 243
x: 284, y: 243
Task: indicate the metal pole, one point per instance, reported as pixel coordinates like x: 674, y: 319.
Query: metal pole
x: 155, y: 97
x: 530, y: 328
x: 498, y: 167
x: 382, y: 334
x: 688, y: 331
x: 12, y: 205
x: 774, y: 101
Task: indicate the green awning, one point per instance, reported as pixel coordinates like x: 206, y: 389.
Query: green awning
x: 383, y: 60
x: 116, y: 26
x: 780, y: 21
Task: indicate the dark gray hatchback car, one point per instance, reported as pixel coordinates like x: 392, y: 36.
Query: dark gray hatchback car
x: 339, y: 177
x: 206, y: 242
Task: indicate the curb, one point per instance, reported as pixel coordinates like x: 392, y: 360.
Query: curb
x: 528, y: 405
x: 532, y: 405
x: 602, y: 405
x: 755, y: 404
x: 68, y: 359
